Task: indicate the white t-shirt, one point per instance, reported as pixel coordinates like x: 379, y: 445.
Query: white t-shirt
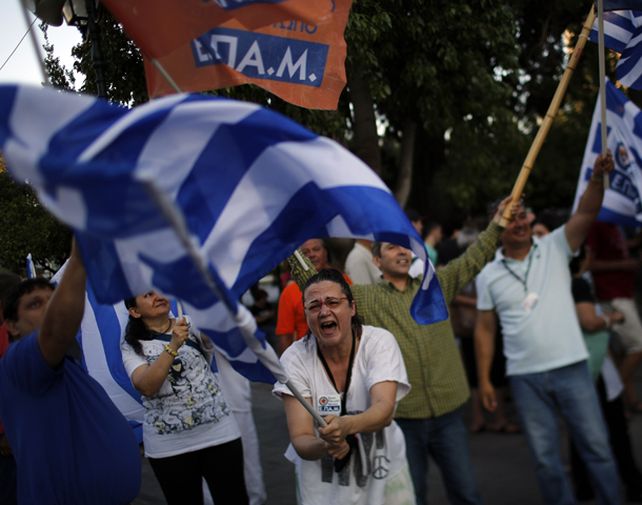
x: 189, y: 411
x: 382, y: 454
x: 540, y: 333
x: 359, y: 266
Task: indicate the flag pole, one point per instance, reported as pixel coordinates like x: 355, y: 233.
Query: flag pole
x: 545, y: 127
x: 602, y: 70
x: 166, y: 75
x: 34, y: 42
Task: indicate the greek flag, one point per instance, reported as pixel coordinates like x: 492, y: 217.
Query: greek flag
x: 621, y: 203
x: 30, y: 267
x: 623, y: 33
x: 196, y: 197
x: 100, y: 337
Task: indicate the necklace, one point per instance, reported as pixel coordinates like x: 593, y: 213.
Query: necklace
x: 166, y: 329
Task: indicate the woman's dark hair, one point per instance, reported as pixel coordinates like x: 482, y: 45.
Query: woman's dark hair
x: 333, y: 275
x: 136, y: 329
x: 575, y: 265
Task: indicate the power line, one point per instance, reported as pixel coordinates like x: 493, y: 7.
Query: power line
x: 18, y: 45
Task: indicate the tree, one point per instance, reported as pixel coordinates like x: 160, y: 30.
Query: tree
x: 25, y: 227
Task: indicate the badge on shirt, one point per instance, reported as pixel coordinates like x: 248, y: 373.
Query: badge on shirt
x: 529, y: 301
x: 329, y: 404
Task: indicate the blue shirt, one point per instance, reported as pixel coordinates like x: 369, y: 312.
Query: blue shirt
x: 71, y: 444
x: 544, y: 334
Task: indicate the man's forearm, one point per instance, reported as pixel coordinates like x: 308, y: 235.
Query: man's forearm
x: 459, y: 272
x: 484, y: 352
x: 591, y: 201
x: 64, y: 312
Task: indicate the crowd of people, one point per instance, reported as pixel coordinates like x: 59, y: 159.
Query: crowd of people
x: 539, y: 314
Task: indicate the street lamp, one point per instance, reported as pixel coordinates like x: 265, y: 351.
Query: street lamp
x: 75, y: 13
x: 82, y: 15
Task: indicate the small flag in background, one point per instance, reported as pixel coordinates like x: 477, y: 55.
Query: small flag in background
x: 245, y: 184
x: 623, y: 33
x: 30, y: 267
x: 622, y: 203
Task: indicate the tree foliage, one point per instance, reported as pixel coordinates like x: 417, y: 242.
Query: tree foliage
x: 25, y: 227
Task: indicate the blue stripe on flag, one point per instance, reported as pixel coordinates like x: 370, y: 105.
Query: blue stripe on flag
x: 6, y: 106
x: 102, y: 256
x: 232, y: 150
x: 76, y: 136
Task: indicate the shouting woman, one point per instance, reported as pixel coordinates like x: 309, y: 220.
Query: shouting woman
x: 353, y: 375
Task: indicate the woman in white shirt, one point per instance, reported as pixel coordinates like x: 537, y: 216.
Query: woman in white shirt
x: 189, y: 432
x: 353, y: 375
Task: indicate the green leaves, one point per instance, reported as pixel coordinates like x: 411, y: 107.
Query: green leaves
x: 25, y: 227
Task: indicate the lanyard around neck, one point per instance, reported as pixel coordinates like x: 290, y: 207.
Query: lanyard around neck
x: 348, y: 373
x: 524, y: 281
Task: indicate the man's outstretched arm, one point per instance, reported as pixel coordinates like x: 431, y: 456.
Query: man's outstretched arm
x: 64, y: 312
x: 588, y: 208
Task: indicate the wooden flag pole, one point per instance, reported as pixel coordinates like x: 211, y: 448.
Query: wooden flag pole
x: 545, y: 127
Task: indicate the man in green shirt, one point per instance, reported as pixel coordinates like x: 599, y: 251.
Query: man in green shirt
x: 430, y: 415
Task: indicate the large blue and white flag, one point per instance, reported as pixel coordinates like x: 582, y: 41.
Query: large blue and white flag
x: 622, y: 204
x: 623, y: 33
x: 189, y: 193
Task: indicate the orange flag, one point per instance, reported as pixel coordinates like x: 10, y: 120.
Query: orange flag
x: 159, y: 27
x: 303, y: 62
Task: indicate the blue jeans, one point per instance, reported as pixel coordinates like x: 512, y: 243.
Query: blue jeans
x: 569, y: 391
x: 445, y: 438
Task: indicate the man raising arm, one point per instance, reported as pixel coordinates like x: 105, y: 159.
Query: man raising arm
x: 71, y: 444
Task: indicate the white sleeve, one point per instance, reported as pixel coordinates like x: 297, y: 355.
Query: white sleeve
x: 131, y: 360
x: 416, y: 268
x: 295, y: 368
x: 359, y: 270
x: 385, y: 363
x: 484, y: 298
x: 558, y: 237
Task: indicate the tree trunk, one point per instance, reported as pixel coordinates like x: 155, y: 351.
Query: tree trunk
x: 404, y: 179
x: 366, y: 139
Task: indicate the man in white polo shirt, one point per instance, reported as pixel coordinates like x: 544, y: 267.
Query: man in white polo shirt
x: 528, y: 286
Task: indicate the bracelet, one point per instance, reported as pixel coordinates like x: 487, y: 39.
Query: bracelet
x: 597, y: 178
x: 170, y: 351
